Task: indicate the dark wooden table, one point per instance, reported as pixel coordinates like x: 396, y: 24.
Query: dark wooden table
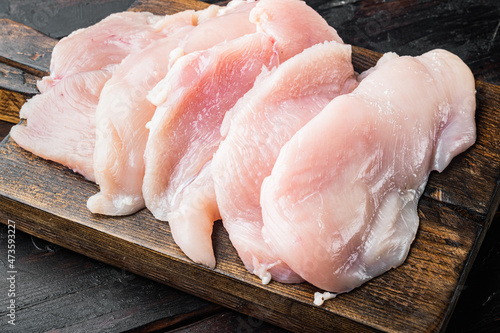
x: 62, y: 291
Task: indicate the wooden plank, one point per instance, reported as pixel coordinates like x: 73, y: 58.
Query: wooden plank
x: 467, y: 28
x: 48, y: 200
x: 57, y: 288
x: 164, y: 7
x: 4, y: 129
x: 478, y: 308
x: 24, y: 58
x: 363, y: 59
x: 229, y: 321
x: 14, y: 79
x: 25, y: 48
x: 10, y: 104
x: 16, y: 86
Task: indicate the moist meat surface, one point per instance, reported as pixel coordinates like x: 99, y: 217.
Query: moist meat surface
x: 340, y: 206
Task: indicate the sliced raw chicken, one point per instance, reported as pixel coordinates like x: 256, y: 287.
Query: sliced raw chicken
x: 61, y: 121
x: 232, y: 21
x: 340, y: 206
x: 185, y: 133
x: 105, y: 43
x: 123, y: 110
x: 63, y: 131
x: 282, y: 101
x: 293, y: 24
x: 121, y: 117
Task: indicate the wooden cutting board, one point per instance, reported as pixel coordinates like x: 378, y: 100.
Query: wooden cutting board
x: 49, y: 201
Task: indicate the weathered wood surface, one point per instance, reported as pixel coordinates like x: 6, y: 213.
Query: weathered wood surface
x: 119, y: 299
x: 4, y: 129
x: 48, y: 201
x: 25, y: 48
x: 478, y: 308
x: 17, y: 80
x: 10, y: 103
x: 166, y: 6
x: 449, y: 234
x: 16, y: 86
x: 24, y: 58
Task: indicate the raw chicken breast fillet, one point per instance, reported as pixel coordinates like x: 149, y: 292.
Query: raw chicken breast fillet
x: 340, y: 206
x: 124, y: 110
x: 282, y: 101
x: 230, y: 22
x: 103, y: 44
x: 283, y: 31
x: 121, y: 117
x: 61, y: 123
x: 293, y: 24
x: 185, y: 133
x: 63, y: 131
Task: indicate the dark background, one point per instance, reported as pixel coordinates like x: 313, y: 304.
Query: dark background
x: 65, y: 289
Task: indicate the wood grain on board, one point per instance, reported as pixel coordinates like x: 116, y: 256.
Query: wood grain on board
x: 10, y: 103
x: 24, y: 58
x: 164, y: 7
x: 25, y: 48
x: 90, y: 296
x: 16, y: 86
x: 49, y: 201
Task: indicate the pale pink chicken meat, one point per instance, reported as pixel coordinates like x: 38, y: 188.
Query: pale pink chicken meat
x: 185, y: 133
x: 63, y: 131
x: 124, y: 110
x: 61, y: 123
x: 103, y: 44
x: 293, y: 24
x: 265, y: 16
x: 121, y: 117
x: 282, y: 101
x: 340, y: 206
x: 231, y: 22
